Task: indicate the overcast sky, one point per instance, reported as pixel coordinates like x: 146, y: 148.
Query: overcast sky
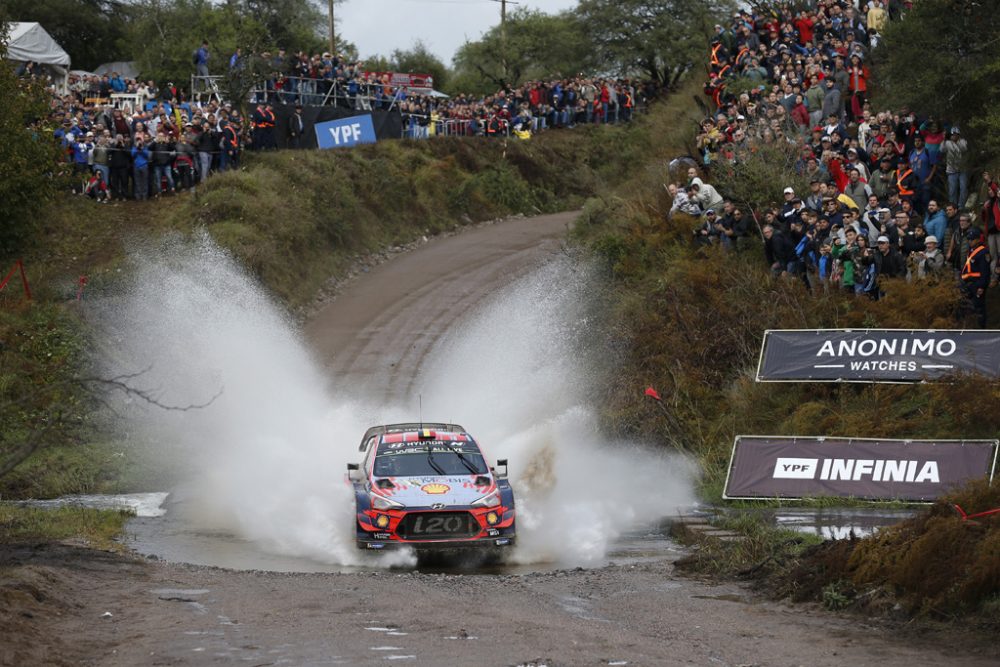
x: 380, y: 26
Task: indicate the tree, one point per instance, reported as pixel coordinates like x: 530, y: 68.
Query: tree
x: 537, y: 46
x: 28, y: 153
x: 419, y: 60
x: 655, y: 39
x: 939, y: 60
x: 296, y: 25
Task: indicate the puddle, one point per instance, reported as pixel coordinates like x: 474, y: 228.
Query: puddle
x: 142, y: 504
x: 839, y: 524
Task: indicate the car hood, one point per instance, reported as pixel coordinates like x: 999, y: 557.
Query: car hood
x: 426, y: 491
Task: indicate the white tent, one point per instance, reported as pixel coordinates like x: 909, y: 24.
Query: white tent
x: 28, y: 42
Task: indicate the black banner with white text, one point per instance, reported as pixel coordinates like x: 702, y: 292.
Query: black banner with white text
x: 876, y: 355
x: 911, y: 470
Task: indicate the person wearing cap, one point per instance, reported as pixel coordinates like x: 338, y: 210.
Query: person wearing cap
x: 907, y: 181
x: 883, y: 179
x: 930, y: 260
x: 955, y: 152
x: 814, y: 100
x: 705, y: 233
x: 976, y: 274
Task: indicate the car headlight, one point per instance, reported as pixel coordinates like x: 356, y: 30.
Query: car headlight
x: 381, y: 503
x: 491, y: 500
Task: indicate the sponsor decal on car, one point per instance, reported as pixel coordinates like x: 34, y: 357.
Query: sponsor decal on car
x: 435, y: 489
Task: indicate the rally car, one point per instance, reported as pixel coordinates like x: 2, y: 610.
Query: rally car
x: 428, y: 486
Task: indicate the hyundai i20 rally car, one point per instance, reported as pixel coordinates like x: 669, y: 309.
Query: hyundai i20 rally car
x: 428, y: 486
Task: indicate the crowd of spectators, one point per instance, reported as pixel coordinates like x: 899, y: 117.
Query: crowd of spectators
x: 130, y: 138
x: 163, y: 144
x: 889, y: 192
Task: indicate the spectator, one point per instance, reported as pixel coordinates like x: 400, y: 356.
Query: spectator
x: 140, y: 162
x: 120, y: 163
x: 201, y: 57
x: 957, y: 243
x: 704, y: 194
x: 930, y: 261
x: 779, y: 252
x: 883, y: 179
x: 955, y: 152
x: 97, y: 188
x: 857, y: 189
x: 976, y: 275
x: 162, y: 160
x: 924, y: 166
x: 935, y: 221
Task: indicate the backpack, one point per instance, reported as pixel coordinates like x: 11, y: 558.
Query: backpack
x: 194, y: 58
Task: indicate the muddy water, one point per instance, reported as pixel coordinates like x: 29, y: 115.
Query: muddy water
x: 170, y: 538
x: 160, y: 531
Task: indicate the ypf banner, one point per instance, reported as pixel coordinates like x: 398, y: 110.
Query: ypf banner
x: 345, y: 132
x: 876, y: 355
x: 913, y: 470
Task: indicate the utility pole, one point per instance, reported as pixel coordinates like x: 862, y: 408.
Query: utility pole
x: 503, y: 36
x: 333, y: 35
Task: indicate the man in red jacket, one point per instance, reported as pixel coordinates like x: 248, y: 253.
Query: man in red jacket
x: 991, y: 222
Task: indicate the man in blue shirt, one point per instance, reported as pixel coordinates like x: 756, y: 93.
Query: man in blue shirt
x: 935, y: 222
x: 924, y: 166
x: 201, y: 60
x: 140, y: 156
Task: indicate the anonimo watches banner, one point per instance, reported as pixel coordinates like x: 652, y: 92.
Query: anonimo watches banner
x: 913, y: 470
x: 876, y: 355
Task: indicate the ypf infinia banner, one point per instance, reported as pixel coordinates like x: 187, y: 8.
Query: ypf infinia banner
x: 344, y: 132
x: 912, y: 470
x: 876, y: 355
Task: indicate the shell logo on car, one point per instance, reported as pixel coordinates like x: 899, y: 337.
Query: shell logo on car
x: 435, y: 489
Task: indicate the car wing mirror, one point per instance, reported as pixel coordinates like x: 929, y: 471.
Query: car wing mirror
x: 351, y: 468
x: 502, y: 463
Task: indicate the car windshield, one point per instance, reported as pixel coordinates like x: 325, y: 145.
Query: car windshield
x: 417, y: 463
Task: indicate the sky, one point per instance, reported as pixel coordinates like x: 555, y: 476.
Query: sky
x: 381, y: 26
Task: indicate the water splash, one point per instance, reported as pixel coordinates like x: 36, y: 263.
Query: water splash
x: 266, y: 458
x: 519, y: 373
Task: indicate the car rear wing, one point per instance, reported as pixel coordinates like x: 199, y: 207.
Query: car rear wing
x: 402, y: 428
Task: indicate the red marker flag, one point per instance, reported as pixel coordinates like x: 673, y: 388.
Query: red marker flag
x: 652, y: 393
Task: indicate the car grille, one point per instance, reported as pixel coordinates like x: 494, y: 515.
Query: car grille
x: 437, y: 526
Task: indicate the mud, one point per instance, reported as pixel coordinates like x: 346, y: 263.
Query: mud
x: 66, y: 605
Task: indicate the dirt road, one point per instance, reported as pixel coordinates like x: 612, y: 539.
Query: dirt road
x: 72, y: 606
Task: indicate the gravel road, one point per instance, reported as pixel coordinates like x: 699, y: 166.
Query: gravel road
x: 65, y: 605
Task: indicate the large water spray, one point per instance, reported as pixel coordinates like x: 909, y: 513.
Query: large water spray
x: 265, y: 459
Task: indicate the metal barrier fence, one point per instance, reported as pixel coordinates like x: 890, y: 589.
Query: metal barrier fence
x: 377, y: 96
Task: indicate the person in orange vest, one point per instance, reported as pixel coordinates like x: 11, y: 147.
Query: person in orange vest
x: 719, y: 55
x: 257, y: 128
x: 907, y: 182
x: 976, y: 275
x: 270, y: 141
